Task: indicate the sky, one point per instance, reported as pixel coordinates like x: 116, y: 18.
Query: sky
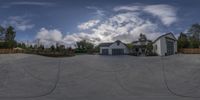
x: 68, y: 21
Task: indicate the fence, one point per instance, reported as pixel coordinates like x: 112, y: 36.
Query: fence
x: 7, y: 51
x: 190, y: 51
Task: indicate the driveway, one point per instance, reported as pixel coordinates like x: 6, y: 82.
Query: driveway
x: 95, y: 77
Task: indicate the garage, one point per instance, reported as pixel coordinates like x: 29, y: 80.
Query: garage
x: 117, y: 51
x: 165, y: 45
x: 105, y: 52
x: 170, y: 48
x: 115, y: 48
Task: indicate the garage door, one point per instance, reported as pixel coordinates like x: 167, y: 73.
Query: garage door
x: 117, y: 51
x: 104, y: 51
x: 170, y: 48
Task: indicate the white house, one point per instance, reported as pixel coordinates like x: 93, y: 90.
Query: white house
x: 140, y: 45
x: 115, y: 48
x: 165, y: 45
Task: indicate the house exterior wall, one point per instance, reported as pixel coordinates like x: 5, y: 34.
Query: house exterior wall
x: 101, y: 48
x: 162, y: 45
x: 120, y: 46
x: 115, y: 46
x: 157, y: 47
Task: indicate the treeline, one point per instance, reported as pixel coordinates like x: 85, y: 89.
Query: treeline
x: 86, y: 47
x: 190, y: 39
x: 7, y: 37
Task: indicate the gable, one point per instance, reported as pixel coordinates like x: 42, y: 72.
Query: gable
x: 105, y: 44
x: 168, y: 35
x: 118, y: 45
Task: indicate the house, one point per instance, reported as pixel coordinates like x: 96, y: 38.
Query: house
x: 165, y: 45
x: 115, y: 48
x: 140, y: 45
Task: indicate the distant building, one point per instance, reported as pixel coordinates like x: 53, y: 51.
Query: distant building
x: 140, y: 45
x: 115, y: 48
x: 165, y: 45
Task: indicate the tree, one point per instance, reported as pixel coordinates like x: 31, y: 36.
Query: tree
x: 142, y: 37
x: 195, y: 31
x: 183, y: 41
x: 2, y: 30
x: 130, y: 46
x: 10, y: 37
x: 84, y: 46
x: 149, y: 47
x: 52, y: 48
x: 41, y: 48
x: 194, y: 43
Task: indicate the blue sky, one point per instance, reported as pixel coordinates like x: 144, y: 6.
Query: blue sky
x: 67, y: 21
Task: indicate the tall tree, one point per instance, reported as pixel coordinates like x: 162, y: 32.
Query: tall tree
x: 10, y: 37
x: 194, y: 43
x: 2, y: 30
x: 183, y: 41
x: 52, y: 48
x: 195, y: 31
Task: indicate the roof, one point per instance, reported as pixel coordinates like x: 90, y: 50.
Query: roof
x: 164, y: 36
x: 110, y: 43
x: 105, y: 44
x: 141, y: 41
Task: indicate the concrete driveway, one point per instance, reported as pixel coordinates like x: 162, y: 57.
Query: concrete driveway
x: 95, y: 77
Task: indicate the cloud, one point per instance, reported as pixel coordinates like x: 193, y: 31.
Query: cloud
x: 49, y: 35
x: 98, y: 12
x: 127, y: 8
x: 89, y: 24
x: 166, y: 13
x: 125, y: 24
x: 19, y: 22
x: 29, y: 3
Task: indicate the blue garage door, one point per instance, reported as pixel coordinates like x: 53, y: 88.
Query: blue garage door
x: 117, y: 51
x: 104, y: 51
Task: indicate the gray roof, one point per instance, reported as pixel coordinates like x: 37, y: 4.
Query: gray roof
x: 105, y: 44
x: 165, y: 35
x: 110, y: 43
x: 141, y: 41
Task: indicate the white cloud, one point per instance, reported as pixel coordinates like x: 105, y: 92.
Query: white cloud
x: 98, y: 12
x: 127, y: 8
x: 30, y: 3
x: 49, y: 35
x: 19, y: 22
x: 166, y: 13
x: 125, y: 25
x: 89, y: 24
